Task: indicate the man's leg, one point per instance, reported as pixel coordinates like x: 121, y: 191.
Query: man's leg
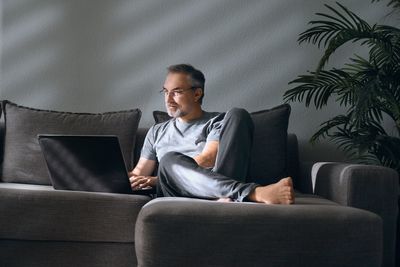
x: 231, y: 164
x: 235, y: 145
x: 180, y: 175
x: 234, y: 157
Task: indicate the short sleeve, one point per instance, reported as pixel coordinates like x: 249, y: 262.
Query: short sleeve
x: 215, y: 128
x: 148, y: 151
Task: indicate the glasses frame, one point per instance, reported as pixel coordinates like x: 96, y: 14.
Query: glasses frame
x: 175, y: 92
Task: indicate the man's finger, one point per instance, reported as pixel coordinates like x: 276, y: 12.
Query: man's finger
x: 135, y: 178
x: 139, y: 181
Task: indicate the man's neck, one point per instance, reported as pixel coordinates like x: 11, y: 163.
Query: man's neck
x: 194, y: 115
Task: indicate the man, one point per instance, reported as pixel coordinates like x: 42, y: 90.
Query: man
x: 201, y: 154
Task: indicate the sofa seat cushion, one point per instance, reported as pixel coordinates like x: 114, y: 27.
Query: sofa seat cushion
x: 188, y: 232
x: 23, y: 161
x: 34, y: 212
x: 309, y: 199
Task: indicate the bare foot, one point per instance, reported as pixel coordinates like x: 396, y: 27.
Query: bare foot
x: 278, y: 193
x: 224, y: 199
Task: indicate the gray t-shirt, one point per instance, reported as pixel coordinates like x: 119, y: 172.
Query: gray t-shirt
x: 188, y: 138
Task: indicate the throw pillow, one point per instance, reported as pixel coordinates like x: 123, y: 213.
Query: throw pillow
x: 1, y: 133
x: 160, y: 116
x: 269, y: 154
x: 23, y: 160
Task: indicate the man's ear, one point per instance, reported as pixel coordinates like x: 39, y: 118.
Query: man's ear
x: 198, y: 93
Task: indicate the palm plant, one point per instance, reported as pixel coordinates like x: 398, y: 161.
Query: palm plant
x: 368, y: 88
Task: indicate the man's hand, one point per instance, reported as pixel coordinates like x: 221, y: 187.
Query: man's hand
x: 142, y: 182
x: 140, y: 177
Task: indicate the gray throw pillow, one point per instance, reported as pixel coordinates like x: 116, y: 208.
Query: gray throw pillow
x: 269, y: 154
x: 160, y: 116
x: 23, y: 160
x: 1, y: 133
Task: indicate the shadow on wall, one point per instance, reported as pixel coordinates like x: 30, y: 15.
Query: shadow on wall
x: 95, y: 56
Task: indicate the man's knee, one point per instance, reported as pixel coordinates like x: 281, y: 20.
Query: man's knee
x: 239, y: 115
x: 169, y: 158
x: 237, y: 112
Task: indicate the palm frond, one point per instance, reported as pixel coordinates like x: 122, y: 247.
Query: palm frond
x: 386, y: 47
x: 368, y: 144
x: 319, y: 88
x: 368, y: 87
x: 326, y: 127
x: 332, y: 31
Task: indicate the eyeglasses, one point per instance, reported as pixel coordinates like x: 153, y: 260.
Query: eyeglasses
x: 174, y: 92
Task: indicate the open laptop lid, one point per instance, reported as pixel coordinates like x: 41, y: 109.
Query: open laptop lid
x: 85, y: 163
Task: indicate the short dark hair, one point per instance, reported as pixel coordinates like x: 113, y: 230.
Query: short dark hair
x: 196, y: 76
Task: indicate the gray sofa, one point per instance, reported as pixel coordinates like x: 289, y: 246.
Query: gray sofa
x: 344, y: 215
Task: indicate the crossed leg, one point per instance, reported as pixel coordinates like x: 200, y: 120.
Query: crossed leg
x: 180, y: 175
x: 238, y: 125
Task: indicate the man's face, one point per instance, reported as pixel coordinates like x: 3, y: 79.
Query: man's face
x: 180, y: 98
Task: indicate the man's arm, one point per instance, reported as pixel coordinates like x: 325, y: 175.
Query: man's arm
x: 208, y: 156
x: 140, y: 177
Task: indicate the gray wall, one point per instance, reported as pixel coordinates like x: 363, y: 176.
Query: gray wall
x: 98, y: 55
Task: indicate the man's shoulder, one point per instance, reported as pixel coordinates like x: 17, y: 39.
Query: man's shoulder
x: 161, y: 126
x: 214, y: 117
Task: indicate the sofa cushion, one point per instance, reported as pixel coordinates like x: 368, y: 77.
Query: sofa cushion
x: 160, y: 116
x: 1, y: 133
x: 23, y: 159
x: 268, y: 157
x: 38, y: 212
x: 193, y: 232
x: 269, y: 153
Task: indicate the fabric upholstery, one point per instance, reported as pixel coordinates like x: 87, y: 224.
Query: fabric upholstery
x: 40, y: 226
x: 160, y: 116
x: 292, y: 155
x: 309, y: 199
x: 187, y: 232
x: 372, y: 188
x: 305, y: 183
x: 19, y: 253
x: 268, y: 159
x: 52, y: 215
x: 269, y: 153
x: 1, y: 134
x: 23, y: 159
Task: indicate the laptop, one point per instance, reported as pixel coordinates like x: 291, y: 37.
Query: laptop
x: 86, y: 163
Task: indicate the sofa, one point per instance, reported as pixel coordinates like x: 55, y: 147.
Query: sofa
x: 344, y: 214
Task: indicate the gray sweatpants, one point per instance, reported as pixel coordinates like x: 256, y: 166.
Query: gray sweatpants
x: 180, y: 175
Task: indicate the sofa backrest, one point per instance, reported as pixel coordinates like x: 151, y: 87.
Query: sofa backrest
x: 292, y: 162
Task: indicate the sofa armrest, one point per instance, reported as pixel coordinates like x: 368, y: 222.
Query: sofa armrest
x: 191, y: 232
x: 372, y: 188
